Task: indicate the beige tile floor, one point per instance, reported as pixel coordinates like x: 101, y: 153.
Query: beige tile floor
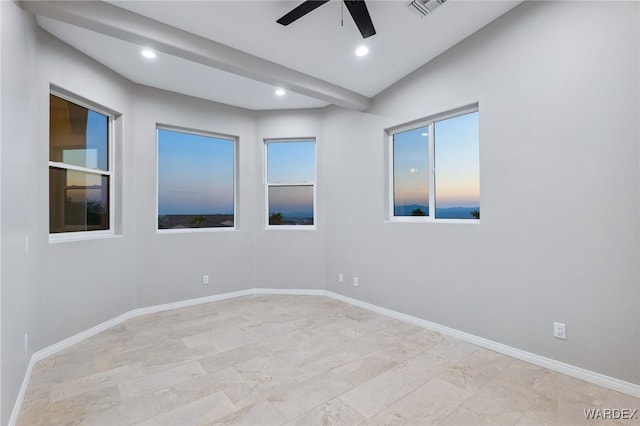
x: 297, y: 360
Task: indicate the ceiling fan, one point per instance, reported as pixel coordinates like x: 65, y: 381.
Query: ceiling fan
x: 357, y: 9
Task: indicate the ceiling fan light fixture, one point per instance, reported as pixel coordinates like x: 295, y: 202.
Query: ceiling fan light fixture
x: 362, y: 51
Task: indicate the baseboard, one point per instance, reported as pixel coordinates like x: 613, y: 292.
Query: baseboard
x: 296, y: 292
x: 561, y: 367
x: 23, y: 389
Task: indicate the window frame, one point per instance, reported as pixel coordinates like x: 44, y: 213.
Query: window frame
x: 208, y: 134
x: 430, y: 123
x: 268, y: 185
x: 112, y: 116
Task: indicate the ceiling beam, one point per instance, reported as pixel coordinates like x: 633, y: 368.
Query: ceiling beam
x: 122, y: 24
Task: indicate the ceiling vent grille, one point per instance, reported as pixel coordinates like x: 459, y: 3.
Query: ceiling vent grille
x: 425, y: 7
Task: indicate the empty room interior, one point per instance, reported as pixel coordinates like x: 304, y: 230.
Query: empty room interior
x: 320, y: 213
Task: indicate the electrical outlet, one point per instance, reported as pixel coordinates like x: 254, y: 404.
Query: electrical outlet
x: 355, y: 282
x: 205, y: 279
x: 559, y: 330
x: 340, y: 278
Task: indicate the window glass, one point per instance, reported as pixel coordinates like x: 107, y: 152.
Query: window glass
x: 195, y: 180
x: 78, y: 136
x: 457, y: 184
x: 291, y: 205
x: 79, y: 169
x: 435, y: 169
x: 411, y: 172
x: 86, y: 201
x: 290, y: 187
x: 291, y: 162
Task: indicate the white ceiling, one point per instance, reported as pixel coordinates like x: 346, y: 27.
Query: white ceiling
x: 313, y: 57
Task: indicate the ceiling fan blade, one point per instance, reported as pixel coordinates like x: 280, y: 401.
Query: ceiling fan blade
x: 300, y: 11
x: 360, y: 14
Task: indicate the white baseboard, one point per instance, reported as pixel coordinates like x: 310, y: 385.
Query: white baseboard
x: 561, y: 367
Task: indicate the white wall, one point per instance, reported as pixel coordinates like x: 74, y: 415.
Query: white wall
x: 557, y: 84
x: 170, y: 266
x: 289, y: 258
x: 55, y: 290
x: 18, y: 210
x: 80, y: 283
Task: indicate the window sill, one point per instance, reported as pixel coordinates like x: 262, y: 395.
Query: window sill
x: 69, y: 237
x: 194, y: 230
x: 291, y: 228
x: 429, y: 220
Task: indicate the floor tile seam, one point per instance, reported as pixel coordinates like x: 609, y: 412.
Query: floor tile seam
x: 496, y: 380
x: 366, y: 419
x: 354, y: 360
x: 230, y: 400
x: 520, y: 388
x: 484, y: 416
x: 460, y: 404
x: 325, y: 403
x: 470, y: 394
x: 379, y: 411
x: 481, y: 387
x: 149, y: 393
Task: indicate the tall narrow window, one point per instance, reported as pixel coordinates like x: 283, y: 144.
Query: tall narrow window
x: 290, y: 183
x: 196, y: 180
x: 435, y: 169
x: 80, y: 168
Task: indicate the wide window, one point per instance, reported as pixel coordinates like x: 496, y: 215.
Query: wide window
x: 80, y: 169
x: 290, y: 183
x: 435, y: 169
x: 196, y: 180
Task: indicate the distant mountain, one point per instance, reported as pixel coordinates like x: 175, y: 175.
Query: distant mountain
x: 441, y: 213
x: 406, y: 210
x: 181, y: 221
x: 298, y: 215
x: 456, y: 213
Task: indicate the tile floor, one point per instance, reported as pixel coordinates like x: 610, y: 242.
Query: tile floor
x: 297, y: 360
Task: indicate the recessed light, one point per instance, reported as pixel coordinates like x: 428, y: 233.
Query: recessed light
x: 280, y: 92
x: 424, y: 134
x: 362, y: 51
x: 148, y: 53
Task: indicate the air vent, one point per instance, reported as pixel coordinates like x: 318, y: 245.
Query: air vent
x: 425, y: 7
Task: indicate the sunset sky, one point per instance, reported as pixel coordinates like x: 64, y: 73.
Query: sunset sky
x: 287, y: 163
x: 456, y: 164
x: 195, y: 174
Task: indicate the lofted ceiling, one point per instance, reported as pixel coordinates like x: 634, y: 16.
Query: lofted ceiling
x: 234, y: 52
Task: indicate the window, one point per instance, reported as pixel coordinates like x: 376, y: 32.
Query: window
x: 435, y: 169
x: 196, y: 180
x: 290, y: 183
x: 80, y: 169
